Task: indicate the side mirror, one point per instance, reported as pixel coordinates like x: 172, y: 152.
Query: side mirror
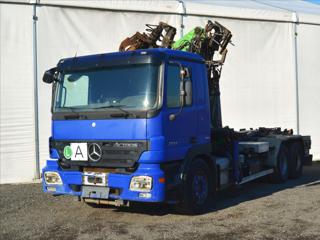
x: 185, y: 87
x: 182, y: 93
x: 49, y: 75
x: 188, y: 92
x: 185, y: 93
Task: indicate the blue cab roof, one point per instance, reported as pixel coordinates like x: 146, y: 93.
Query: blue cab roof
x: 120, y: 58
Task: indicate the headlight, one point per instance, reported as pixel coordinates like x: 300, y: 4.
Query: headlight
x: 52, y: 178
x: 141, y: 183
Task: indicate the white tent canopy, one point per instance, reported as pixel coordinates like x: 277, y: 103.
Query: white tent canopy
x: 273, y: 10
x: 270, y: 77
x: 266, y: 10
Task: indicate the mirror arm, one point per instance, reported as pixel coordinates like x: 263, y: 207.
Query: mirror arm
x: 174, y: 115
x: 182, y: 91
x: 182, y: 103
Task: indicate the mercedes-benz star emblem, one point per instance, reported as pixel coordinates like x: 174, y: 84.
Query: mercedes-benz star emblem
x: 95, y: 152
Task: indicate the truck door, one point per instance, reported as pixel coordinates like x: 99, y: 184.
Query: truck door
x: 180, y: 133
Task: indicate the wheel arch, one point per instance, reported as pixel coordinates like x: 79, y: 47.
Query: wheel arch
x: 200, y: 151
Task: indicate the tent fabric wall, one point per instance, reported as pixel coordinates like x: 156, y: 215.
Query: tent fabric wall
x: 309, y: 83
x: 236, y: 9
x: 163, y: 6
x: 17, y: 142
x: 258, y: 82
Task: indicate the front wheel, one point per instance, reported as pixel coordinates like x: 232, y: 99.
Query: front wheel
x: 197, y: 189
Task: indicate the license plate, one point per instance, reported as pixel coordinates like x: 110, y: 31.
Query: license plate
x: 95, y: 179
x: 76, y: 152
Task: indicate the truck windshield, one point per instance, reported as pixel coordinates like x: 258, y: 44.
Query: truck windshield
x: 131, y: 86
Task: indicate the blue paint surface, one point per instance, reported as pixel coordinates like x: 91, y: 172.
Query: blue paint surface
x: 120, y: 181
x: 117, y: 129
x: 169, y: 140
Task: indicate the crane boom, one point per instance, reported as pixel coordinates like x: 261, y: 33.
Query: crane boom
x: 207, y: 41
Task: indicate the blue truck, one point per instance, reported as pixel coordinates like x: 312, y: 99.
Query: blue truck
x: 138, y: 126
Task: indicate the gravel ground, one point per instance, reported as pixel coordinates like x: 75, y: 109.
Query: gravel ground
x: 255, y: 211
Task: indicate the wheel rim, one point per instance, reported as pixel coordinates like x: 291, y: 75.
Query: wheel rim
x: 200, y: 188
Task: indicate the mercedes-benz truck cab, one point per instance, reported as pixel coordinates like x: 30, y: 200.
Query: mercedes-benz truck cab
x: 119, y: 118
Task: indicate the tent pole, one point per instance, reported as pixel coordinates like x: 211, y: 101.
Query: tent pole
x: 35, y: 76
x: 295, y: 53
x: 182, y: 12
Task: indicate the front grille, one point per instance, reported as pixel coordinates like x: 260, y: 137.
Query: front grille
x: 114, y: 153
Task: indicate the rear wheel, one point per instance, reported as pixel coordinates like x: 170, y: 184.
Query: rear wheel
x: 296, y: 160
x: 198, y: 188
x: 281, y: 170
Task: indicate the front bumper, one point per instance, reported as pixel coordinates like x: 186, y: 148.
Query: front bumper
x: 72, y: 183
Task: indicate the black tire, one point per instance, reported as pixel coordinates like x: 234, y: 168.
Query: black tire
x: 281, y: 171
x: 198, y: 189
x: 296, y: 160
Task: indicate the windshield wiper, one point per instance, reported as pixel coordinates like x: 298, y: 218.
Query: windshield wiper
x: 125, y: 113
x: 74, y: 115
